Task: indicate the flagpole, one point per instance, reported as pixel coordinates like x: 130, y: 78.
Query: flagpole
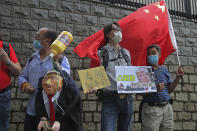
x: 171, y: 31
x: 177, y: 53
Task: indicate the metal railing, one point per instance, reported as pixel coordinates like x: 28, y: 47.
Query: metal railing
x: 178, y: 8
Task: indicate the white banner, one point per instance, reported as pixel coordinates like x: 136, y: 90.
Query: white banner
x: 135, y: 79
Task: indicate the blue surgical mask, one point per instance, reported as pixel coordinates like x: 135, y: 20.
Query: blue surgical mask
x: 37, y: 45
x: 153, y: 59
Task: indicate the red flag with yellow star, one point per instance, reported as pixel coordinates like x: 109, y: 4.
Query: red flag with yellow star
x: 148, y: 25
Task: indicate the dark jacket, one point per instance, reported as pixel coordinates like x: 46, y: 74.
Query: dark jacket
x: 70, y: 102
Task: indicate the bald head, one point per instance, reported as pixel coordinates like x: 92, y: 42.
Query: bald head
x: 46, y: 33
x: 43, y: 30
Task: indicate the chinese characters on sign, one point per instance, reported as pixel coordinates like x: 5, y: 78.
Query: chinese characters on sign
x: 134, y: 79
x: 93, y: 78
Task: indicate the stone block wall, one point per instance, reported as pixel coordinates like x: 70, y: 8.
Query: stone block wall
x: 20, y: 19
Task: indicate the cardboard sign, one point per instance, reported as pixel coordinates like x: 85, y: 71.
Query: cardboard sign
x: 93, y: 78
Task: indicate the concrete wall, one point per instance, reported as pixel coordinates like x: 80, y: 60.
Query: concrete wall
x: 20, y: 19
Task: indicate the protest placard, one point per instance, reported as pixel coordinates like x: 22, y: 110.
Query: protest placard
x: 134, y: 79
x: 93, y: 78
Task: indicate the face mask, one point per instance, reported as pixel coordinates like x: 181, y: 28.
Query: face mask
x: 117, y: 37
x: 37, y: 45
x: 153, y: 59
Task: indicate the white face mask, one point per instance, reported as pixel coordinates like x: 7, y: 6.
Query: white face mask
x: 117, y: 37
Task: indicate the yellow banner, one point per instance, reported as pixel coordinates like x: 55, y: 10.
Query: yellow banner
x: 93, y: 78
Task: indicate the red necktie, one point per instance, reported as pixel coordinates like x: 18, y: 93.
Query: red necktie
x: 52, y: 110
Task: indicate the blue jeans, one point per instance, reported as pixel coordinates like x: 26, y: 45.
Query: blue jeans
x: 5, y: 98
x: 117, y: 110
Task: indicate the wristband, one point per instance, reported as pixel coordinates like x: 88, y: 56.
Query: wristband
x: 24, y: 85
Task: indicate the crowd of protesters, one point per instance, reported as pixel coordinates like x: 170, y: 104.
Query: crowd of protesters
x: 54, y: 100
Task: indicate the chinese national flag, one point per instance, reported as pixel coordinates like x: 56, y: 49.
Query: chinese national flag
x: 148, y: 25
